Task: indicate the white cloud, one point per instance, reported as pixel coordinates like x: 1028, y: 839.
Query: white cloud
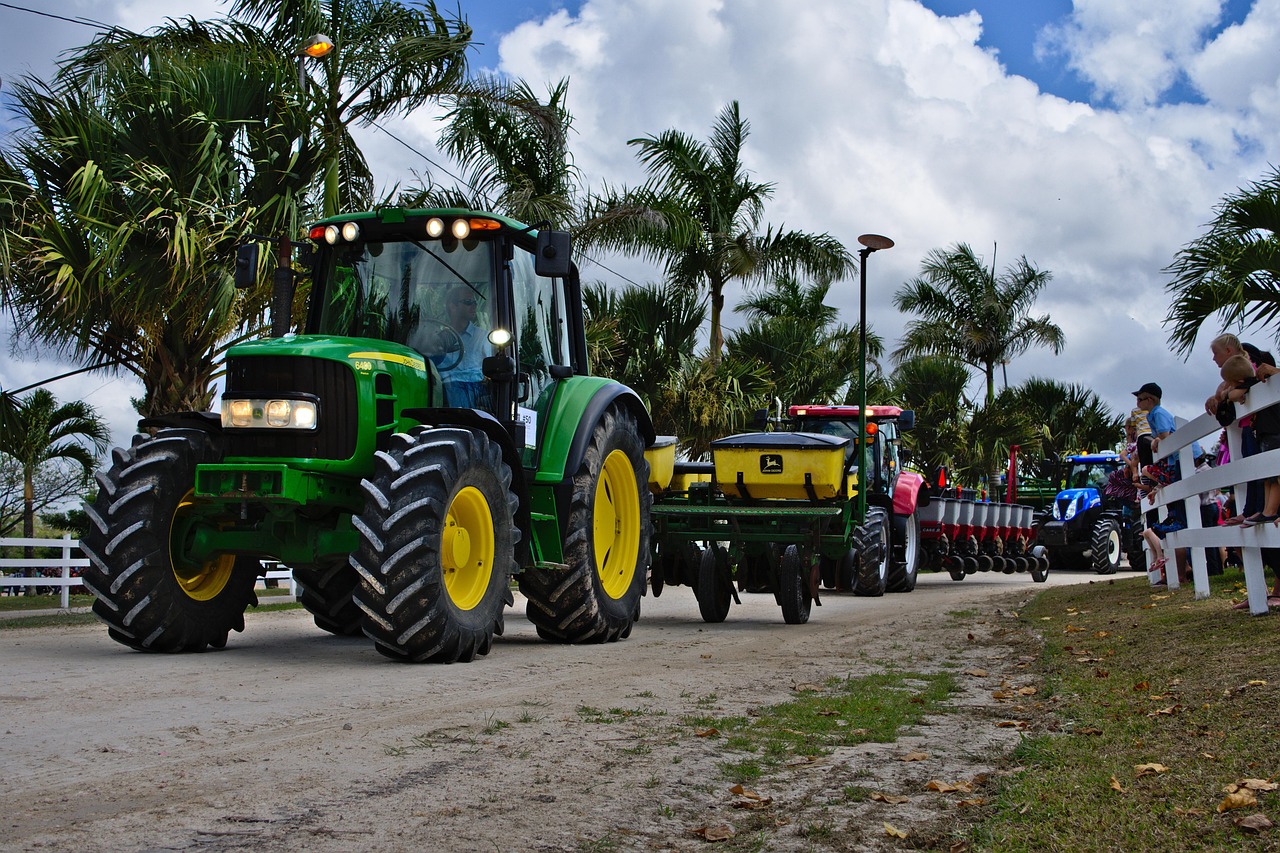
x: 877, y: 115
x: 1134, y: 51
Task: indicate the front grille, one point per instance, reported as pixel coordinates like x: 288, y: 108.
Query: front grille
x: 332, y: 382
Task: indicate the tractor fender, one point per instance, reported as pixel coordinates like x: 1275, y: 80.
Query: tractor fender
x: 909, y: 492
x: 576, y: 406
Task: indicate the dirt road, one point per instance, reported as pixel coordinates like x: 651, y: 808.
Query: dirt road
x: 293, y: 739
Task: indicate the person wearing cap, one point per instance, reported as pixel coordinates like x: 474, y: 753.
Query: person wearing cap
x: 1158, y: 418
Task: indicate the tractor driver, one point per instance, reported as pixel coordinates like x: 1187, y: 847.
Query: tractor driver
x: 464, y: 382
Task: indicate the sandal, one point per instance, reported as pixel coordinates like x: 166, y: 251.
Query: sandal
x: 1258, y: 518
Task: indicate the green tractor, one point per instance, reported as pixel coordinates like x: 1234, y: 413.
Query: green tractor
x: 433, y: 433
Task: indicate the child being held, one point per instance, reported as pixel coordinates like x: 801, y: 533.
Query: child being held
x: 1239, y: 371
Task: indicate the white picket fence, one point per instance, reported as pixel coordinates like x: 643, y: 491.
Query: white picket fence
x: 1236, y: 474
x: 71, y: 559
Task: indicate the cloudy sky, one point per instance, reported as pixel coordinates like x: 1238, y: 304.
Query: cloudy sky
x: 1092, y: 137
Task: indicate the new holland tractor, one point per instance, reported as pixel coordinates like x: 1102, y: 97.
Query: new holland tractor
x: 430, y: 434
x: 1085, y: 528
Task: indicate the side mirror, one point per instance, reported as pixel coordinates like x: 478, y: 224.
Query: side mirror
x: 907, y: 420
x: 553, y: 254
x: 246, y: 266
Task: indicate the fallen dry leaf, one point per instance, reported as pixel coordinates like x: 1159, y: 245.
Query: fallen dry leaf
x: 753, y: 805
x: 1102, y: 673
x: 1141, y: 686
x: 1149, y: 769
x: 940, y: 786
x: 1116, y: 786
x: 1257, y: 682
x: 706, y: 732
x: 893, y: 832
x: 1072, y: 629
x: 1027, y: 691
x: 1001, y: 695
x: 891, y: 799
x: 805, y: 686
x: 1242, y: 799
x: 1254, y: 823
x: 720, y: 832
x: 743, y: 792
x: 1251, y: 785
x: 1011, y: 724
x: 975, y: 801
x: 1165, y: 712
x: 977, y: 673
x: 914, y: 756
x: 1089, y: 730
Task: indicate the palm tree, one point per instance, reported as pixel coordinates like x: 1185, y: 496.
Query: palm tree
x: 127, y: 199
x: 934, y: 387
x: 970, y: 314
x: 390, y: 59
x: 1070, y: 418
x: 515, y: 147
x: 791, y: 330
x: 982, y: 452
x: 1233, y: 270
x: 700, y: 214
x: 705, y: 400
x: 46, y: 434
x: 643, y: 335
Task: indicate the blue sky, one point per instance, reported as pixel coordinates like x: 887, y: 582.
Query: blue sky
x: 1092, y: 136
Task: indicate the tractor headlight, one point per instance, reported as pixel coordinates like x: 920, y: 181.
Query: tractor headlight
x: 269, y: 414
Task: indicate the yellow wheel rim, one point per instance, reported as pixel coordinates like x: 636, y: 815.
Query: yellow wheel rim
x: 466, y: 548
x: 206, y: 580
x: 617, y: 525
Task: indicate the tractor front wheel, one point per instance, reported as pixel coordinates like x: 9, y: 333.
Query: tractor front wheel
x: 153, y: 595
x: 906, y: 554
x: 437, y: 546
x: 1104, y: 547
x: 597, y: 598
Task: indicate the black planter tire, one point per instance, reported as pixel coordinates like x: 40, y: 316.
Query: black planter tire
x: 715, y: 588
x: 606, y: 549
x: 846, y: 568
x: 873, y: 564
x: 437, y: 546
x: 1138, y: 559
x: 1105, y: 547
x: 829, y: 572
x: 793, y: 587
x: 326, y: 590
x: 150, y: 597
x: 905, y: 568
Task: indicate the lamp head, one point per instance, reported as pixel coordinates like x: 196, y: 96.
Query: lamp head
x: 318, y: 46
x: 875, y: 242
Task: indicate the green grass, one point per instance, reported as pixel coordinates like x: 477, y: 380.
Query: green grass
x: 843, y: 712
x: 1133, y: 677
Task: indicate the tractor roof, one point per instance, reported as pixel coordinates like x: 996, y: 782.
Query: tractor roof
x: 1094, y: 457
x: 881, y: 412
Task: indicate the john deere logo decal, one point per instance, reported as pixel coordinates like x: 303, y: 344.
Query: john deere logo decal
x: 770, y: 463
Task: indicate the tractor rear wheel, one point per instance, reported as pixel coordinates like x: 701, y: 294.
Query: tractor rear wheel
x: 873, y: 562
x: 715, y: 587
x: 325, y: 590
x: 793, y: 587
x: 1104, y: 547
x: 597, y: 599
x: 150, y: 592
x: 437, y: 546
x: 906, y: 554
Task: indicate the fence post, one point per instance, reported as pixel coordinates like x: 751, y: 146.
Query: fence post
x: 66, y: 571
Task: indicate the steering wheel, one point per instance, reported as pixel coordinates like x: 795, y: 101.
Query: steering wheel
x: 449, y: 342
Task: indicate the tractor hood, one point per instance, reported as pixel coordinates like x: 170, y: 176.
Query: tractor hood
x: 1072, y: 502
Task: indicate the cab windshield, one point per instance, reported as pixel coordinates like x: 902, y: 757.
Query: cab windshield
x: 402, y: 291
x: 1090, y: 475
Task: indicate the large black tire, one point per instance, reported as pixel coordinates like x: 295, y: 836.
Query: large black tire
x: 873, y: 561
x: 1137, y: 559
x: 905, y: 568
x: 151, y: 598
x: 326, y: 590
x: 437, y: 546
x: 597, y: 598
x: 793, y: 587
x: 1105, y: 547
x: 715, y: 588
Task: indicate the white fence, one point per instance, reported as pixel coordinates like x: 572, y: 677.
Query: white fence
x: 71, y: 560
x: 1236, y: 474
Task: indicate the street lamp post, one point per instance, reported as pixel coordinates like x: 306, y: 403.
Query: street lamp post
x: 871, y: 243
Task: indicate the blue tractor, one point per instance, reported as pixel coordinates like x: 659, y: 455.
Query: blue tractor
x: 1085, y: 528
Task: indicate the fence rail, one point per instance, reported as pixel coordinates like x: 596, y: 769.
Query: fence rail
x: 1237, y: 474
x: 69, y: 566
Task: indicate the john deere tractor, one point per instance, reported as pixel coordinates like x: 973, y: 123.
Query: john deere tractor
x: 432, y: 433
